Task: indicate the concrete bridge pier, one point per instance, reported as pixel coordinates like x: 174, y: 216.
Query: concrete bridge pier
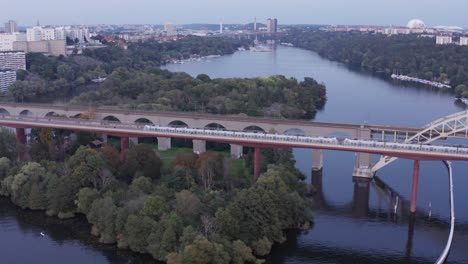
x: 414, y: 191
x: 361, y: 196
x: 21, y: 140
x: 317, y: 160
x: 236, y: 151
x: 257, y: 162
x: 134, y: 140
x: 164, y: 143
x: 199, y: 146
x: 123, y: 147
x: 104, y: 138
x: 363, y: 167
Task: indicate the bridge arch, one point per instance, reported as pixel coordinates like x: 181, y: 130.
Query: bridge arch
x: 26, y: 113
x: 254, y: 129
x: 143, y: 120
x: 111, y: 118
x: 52, y: 114
x: 79, y: 115
x: 454, y: 125
x: 215, y: 126
x: 177, y: 123
x: 3, y: 111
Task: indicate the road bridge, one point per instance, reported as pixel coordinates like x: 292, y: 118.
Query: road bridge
x: 236, y: 130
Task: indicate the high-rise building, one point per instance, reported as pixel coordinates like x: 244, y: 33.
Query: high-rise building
x: 6, y: 40
x: 221, y: 26
x: 12, y: 60
x: 272, y: 25
x: 7, y: 77
x: 255, y: 24
x: 11, y: 26
x: 170, y: 29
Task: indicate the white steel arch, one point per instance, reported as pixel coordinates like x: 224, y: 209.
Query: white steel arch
x: 454, y: 126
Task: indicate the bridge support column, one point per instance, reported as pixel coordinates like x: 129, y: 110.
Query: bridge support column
x: 236, y: 151
x: 104, y: 138
x: 123, y: 148
x: 414, y: 191
x: 361, y: 196
x: 134, y: 140
x: 199, y: 146
x: 164, y: 143
x: 317, y: 160
x: 257, y: 162
x: 363, y: 167
x: 21, y: 142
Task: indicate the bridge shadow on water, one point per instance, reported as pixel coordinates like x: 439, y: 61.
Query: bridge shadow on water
x: 356, y: 232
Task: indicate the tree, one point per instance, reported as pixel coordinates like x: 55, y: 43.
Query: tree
x: 201, y: 251
x: 87, y: 167
x: 61, y: 194
x: 5, y: 165
x: 142, y: 159
x: 209, y: 169
x: 7, y: 144
x: 86, y: 197
x: 155, y: 206
x: 137, y: 230
x: 112, y: 158
x: 187, y: 205
x: 165, y: 237
x: 102, y: 214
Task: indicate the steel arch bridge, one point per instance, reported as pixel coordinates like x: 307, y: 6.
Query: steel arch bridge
x: 451, y: 126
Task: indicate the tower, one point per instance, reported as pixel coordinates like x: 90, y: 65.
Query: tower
x: 221, y: 26
x: 255, y: 24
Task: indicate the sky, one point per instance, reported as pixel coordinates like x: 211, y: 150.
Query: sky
x: 334, y: 12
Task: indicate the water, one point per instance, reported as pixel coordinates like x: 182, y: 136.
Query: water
x: 353, y: 221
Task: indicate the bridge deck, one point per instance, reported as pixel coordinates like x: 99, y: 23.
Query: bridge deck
x: 413, y: 151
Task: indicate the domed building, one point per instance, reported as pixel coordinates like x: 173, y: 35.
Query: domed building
x: 416, y: 23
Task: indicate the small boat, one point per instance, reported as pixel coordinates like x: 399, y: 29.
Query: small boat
x: 42, y: 234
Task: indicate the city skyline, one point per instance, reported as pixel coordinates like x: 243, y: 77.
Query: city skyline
x: 360, y: 12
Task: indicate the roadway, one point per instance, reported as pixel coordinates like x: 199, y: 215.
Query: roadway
x: 239, y: 138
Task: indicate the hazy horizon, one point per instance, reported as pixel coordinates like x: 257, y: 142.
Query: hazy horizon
x: 358, y: 12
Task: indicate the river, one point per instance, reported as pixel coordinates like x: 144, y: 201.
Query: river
x: 353, y: 221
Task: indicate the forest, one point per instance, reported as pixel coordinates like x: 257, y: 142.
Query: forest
x: 134, y: 80
x: 190, y: 208
x: 195, y: 209
x: 411, y: 55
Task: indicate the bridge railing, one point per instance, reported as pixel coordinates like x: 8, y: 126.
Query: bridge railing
x: 258, y: 136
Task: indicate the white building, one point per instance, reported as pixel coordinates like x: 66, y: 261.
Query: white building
x: 48, y: 34
x: 463, y: 41
x: 7, y: 77
x: 443, y: 40
x: 6, y: 40
x: 80, y: 33
x: 60, y: 33
x: 39, y: 33
x: 12, y: 60
x: 34, y: 34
